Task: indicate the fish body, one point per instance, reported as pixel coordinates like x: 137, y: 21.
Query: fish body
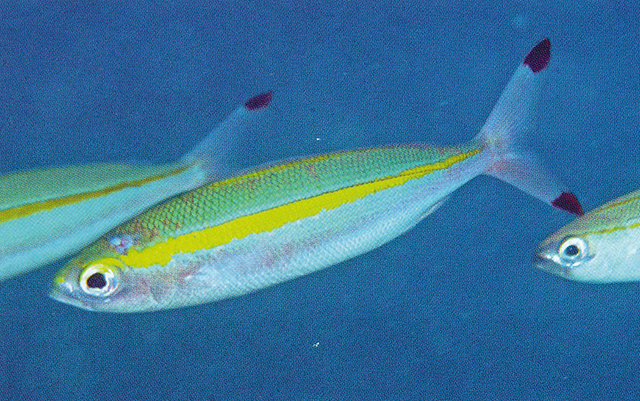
x: 47, y: 214
x: 292, y: 218
x: 602, y: 246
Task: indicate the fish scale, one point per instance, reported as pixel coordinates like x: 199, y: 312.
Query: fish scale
x: 263, y: 189
x: 50, y: 213
x: 292, y: 218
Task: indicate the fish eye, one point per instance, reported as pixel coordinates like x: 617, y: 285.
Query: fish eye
x: 100, y: 280
x: 573, y: 249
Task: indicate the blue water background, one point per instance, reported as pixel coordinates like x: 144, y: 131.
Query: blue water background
x: 450, y: 311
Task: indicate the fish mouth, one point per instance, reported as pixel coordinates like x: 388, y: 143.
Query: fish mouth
x: 65, y: 293
x: 543, y: 261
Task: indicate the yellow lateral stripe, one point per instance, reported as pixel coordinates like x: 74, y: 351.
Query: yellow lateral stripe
x: 32, y: 208
x: 635, y: 225
x: 613, y: 204
x: 606, y: 207
x: 612, y: 229
x: 271, y: 219
x: 293, y: 162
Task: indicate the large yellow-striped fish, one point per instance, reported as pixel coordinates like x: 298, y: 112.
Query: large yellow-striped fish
x: 602, y: 246
x: 50, y: 213
x: 291, y: 218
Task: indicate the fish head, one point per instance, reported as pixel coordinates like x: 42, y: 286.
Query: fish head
x: 590, y: 256
x: 567, y: 256
x: 98, y: 280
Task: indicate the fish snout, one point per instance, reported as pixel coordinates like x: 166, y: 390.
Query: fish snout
x: 64, y: 291
x: 544, y: 259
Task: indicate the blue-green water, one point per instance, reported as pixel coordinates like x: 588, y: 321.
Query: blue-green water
x: 450, y: 311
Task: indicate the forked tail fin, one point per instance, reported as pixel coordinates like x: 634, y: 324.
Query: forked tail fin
x: 510, y: 120
x: 219, y: 153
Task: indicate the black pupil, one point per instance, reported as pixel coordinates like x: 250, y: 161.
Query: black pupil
x: 96, y: 280
x: 572, y: 250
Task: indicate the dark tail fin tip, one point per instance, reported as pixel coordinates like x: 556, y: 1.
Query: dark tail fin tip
x: 569, y: 203
x: 259, y: 101
x: 539, y: 56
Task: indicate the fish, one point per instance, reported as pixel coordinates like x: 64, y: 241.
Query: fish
x: 290, y: 218
x: 47, y: 214
x: 603, y: 246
